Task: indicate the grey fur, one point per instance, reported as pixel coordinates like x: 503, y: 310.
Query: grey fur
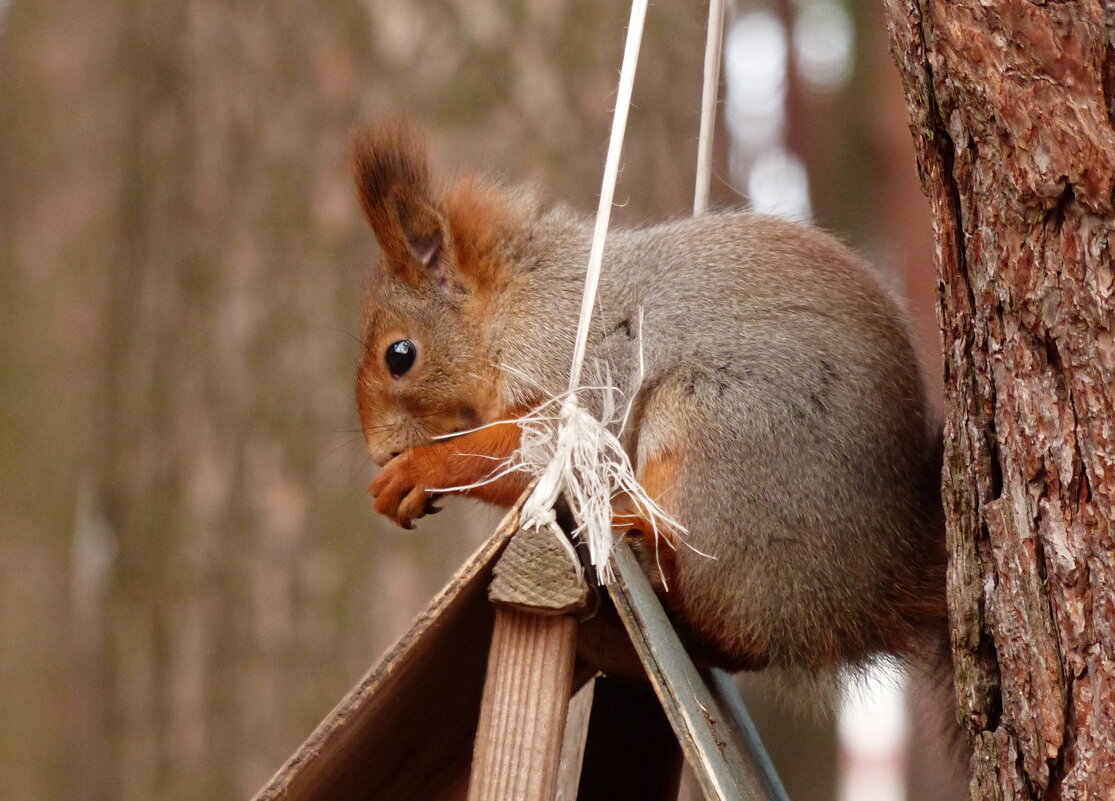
x: 785, y: 367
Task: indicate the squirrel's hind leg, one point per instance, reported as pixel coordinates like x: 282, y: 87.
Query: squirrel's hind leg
x: 655, y: 545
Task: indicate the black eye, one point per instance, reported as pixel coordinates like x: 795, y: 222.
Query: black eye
x: 400, y: 356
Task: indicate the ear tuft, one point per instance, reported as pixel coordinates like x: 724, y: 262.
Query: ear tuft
x: 393, y: 184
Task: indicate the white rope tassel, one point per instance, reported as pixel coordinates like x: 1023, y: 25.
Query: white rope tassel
x: 588, y: 464
x: 586, y: 461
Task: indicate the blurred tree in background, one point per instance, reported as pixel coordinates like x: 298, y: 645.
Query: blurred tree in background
x: 190, y: 573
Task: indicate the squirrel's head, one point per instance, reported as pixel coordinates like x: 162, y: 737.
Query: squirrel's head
x: 426, y: 369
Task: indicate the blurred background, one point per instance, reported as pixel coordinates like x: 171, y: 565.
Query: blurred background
x: 190, y: 571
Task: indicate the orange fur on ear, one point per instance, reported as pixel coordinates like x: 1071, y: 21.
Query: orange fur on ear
x: 466, y: 223
x: 393, y: 184
x: 479, y: 215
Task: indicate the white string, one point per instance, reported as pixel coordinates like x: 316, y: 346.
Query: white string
x: 713, y: 43
x: 581, y: 464
x: 586, y: 461
x: 608, y: 189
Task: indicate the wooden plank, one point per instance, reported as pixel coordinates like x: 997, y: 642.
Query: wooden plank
x: 576, y: 736
x: 631, y: 753
x: 722, y: 770
x: 731, y: 702
x: 538, y: 574
x: 406, y: 730
x: 538, y: 587
x: 526, y: 698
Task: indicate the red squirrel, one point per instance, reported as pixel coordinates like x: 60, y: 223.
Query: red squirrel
x: 782, y: 416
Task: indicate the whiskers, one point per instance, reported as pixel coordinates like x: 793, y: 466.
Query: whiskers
x: 343, y: 452
x: 417, y: 422
x: 350, y: 335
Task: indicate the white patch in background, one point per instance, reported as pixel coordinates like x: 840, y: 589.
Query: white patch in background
x: 824, y: 43
x: 778, y: 184
x: 872, y: 729
x: 755, y: 57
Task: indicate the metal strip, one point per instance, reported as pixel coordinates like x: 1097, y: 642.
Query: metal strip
x: 724, y: 772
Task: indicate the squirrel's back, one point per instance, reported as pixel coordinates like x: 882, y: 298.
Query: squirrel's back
x: 783, y: 398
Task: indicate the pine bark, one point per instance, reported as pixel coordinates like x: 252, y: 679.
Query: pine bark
x: 1011, y: 108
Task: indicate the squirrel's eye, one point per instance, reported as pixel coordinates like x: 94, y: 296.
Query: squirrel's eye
x: 400, y: 356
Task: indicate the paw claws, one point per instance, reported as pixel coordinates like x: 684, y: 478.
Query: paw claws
x: 399, y: 493
x: 413, y: 504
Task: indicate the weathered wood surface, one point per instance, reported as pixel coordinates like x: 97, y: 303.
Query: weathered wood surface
x: 576, y: 736
x: 723, y: 771
x: 726, y: 693
x: 538, y: 573
x: 406, y: 730
x: 526, y: 698
x: 1011, y: 110
x: 539, y: 589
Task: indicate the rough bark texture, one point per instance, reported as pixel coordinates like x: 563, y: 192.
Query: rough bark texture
x: 1011, y: 110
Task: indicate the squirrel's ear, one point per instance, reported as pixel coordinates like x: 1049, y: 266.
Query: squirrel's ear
x: 393, y: 184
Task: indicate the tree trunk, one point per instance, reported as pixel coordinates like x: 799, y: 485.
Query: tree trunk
x: 1011, y: 110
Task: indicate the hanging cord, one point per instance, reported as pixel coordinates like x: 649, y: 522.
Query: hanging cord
x: 587, y: 462
x: 577, y: 431
x: 713, y: 43
x: 608, y: 188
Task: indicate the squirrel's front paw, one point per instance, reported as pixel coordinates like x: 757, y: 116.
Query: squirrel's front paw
x: 401, y: 489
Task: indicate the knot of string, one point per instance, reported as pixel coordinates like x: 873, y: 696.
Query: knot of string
x: 588, y: 464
